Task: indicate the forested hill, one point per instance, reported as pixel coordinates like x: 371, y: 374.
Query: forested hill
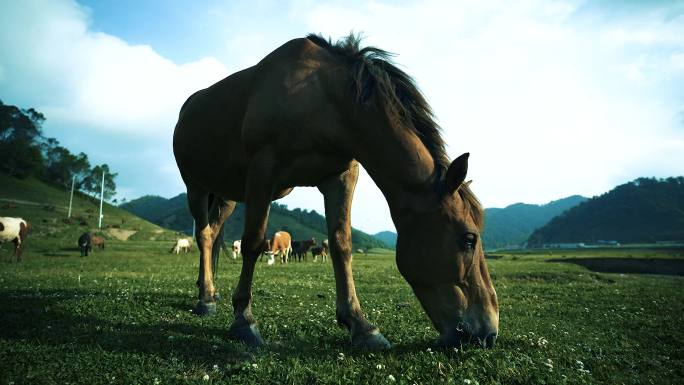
x: 173, y: 214
x: 643, y: 211
x: 512, y: 225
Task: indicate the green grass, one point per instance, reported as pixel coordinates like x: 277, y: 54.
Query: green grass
x: 45, y: 206
x: 122, y: 317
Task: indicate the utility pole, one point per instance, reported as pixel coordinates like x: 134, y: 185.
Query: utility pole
x: 71, y: 198
x: 193, y: 229
x: 101, y: 198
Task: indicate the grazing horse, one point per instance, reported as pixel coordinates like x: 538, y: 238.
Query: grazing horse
x: 84, y: 244
x: 182, y: 244
x: 301, y: 248
x: 281, y: 244
x: 14, y: 230
x: 236, y: 248
x: 307, y: 115
x: 97, y: 242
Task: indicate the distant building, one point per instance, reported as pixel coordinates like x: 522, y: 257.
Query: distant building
x: 607, y: 243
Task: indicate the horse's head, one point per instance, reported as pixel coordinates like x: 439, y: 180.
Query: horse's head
x: 440, y: 253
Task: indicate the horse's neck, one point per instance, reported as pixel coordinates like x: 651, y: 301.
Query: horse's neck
x: 400, y: 165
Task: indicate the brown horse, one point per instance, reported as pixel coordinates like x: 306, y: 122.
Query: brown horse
x: 307, y: 115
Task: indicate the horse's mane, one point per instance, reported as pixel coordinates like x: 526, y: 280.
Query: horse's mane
x: 376, y: 78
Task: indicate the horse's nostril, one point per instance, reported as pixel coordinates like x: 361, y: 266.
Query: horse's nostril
x: 490, y: 340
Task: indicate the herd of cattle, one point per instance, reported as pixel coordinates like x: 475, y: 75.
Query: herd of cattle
x: 281, y: 245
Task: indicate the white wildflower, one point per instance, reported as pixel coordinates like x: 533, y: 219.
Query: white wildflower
x: 156, y: 381
x: 379, y: 366
x: 340, y: 356
x: 467, y: 381
x: 391, y: 378
x: 215, y: 367
x: 255, y: 366
x: 206, y: 377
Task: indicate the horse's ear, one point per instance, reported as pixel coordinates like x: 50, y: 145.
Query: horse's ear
x: 456, y: 173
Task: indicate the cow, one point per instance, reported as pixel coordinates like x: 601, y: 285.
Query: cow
x: 182, y: 244
x: 301, y: 248
x: 323, y: 251
x: 280, y: 244
x: 84, y: 244
x: 236, y: 248
x: 97, y: 242
x: 14, y: 230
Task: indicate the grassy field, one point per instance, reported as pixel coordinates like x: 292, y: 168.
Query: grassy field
x: 122, y: 317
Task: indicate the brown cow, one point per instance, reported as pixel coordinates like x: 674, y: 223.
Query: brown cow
x: 280, y: 244
x: 97, y: 242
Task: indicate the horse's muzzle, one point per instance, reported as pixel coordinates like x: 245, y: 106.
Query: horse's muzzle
x: 459, y: 338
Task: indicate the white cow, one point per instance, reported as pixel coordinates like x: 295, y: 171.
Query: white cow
x: 182, y: 244
x: 13, y: 230
x: 236, y: 248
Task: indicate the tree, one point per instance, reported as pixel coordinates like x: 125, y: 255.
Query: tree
x: 61, y: 165
x: 19, y: 131
x: 92, y: 182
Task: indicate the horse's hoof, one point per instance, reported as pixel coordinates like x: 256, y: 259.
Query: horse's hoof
x: 374, y: 340
x: 247, y: 334
x: 205, y: 309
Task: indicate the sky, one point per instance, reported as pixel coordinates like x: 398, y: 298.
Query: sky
x: 551, y: 98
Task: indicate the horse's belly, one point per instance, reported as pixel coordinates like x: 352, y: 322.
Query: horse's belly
x: 310, y: 170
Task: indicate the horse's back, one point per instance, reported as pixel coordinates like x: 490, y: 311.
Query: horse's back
x: 281, y: 106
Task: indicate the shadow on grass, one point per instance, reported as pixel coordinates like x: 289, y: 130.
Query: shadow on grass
x: 43, y: 319
x: 59, y: 318
x: 629, y: 265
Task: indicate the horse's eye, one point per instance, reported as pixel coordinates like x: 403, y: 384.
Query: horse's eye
x: 469, y: 241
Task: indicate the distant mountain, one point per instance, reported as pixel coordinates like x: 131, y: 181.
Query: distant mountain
x: 512, y: 225
x: 389, y: 237
x: 173, y: 214
x: 643, y: 211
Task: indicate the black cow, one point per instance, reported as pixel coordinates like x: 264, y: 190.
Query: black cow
x: 84, y: 244
x: 301, y: 248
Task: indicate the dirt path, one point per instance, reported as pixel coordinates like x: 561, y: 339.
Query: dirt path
x: 121, y: 234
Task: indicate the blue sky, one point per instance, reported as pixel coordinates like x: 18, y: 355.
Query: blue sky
x: 551, y: 98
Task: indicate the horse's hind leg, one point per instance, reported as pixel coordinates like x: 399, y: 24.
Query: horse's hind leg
x: 207, y: 226
x: 338, y: 192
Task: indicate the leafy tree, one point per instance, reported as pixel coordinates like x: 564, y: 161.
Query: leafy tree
x: 19, y: 132
x: 61, y: 165
x: 93, y: 181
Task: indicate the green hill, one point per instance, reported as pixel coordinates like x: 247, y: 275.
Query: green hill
x: 643, y: 211
x: 389, y: 237
x: 512, y: 225
x: 44, y: 205
x: 301, y: 224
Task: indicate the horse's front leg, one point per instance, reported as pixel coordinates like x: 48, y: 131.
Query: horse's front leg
x: 258, y: 195
x: 338, y: 192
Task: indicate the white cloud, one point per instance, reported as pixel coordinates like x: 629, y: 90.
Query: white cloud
x: 551, y: 98
x: 77, y: 76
